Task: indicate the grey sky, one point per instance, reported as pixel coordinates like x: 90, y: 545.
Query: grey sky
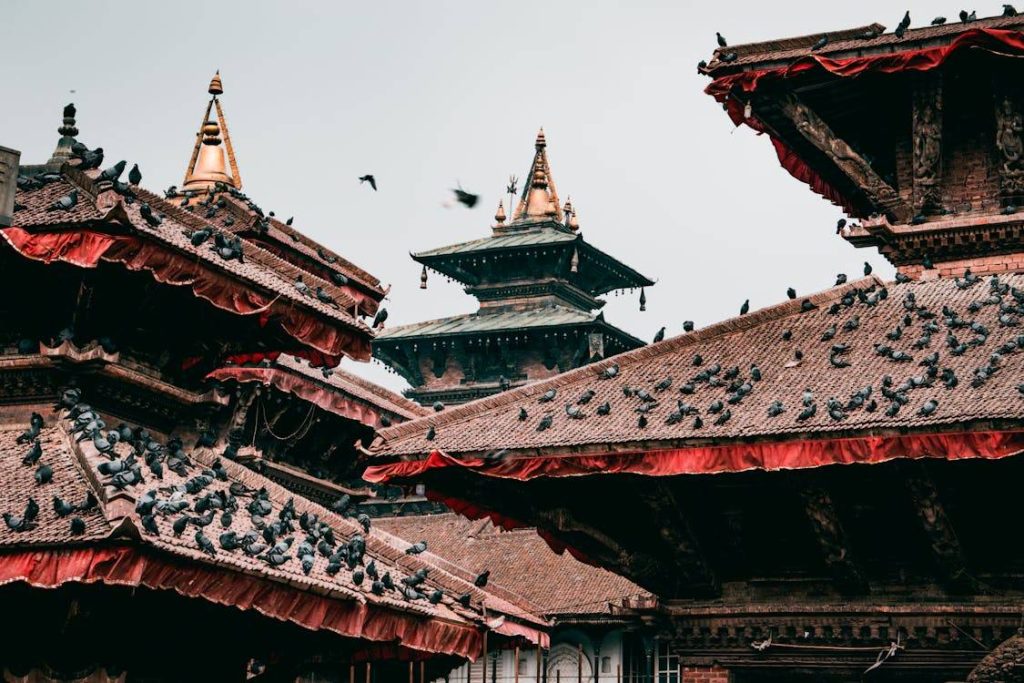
x: 427, y: 94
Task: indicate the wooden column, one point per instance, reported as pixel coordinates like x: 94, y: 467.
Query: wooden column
x: 539, y: 655
x: 927, y: 143
x: 515, y: 670
x: 579, y: 663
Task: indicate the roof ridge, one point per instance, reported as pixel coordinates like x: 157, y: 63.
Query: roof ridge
x: 810, y: 39
x: 727, y: 326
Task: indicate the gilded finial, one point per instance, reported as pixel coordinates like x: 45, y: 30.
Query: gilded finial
x: 541, y: 142
x: 570, y: 212
x: 423, y: 278
x: 216, y: 87
x: 499, y: 215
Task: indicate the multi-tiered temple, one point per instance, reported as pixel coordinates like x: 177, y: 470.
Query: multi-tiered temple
x: 175, y: 436
x: 538, y: 283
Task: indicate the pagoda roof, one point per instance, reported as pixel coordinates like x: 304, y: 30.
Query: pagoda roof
x: 335, y: 390
x: 558, y: 585
x: 848, y: 43
x: 536, y: 235
x: 103, y: 217
x: 531, y: 237
x: 855, y: 313
x: 315, y: 600
x: 487, y: 321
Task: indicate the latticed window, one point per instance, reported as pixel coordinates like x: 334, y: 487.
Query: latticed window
x: 666, y: 665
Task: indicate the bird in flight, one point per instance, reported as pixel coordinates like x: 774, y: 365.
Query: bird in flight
x: 368, y: 178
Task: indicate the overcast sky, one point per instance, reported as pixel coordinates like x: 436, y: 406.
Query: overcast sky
x: 424, y: 95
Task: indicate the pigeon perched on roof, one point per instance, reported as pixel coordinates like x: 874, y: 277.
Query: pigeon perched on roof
x: 65, y: 203
x: 659, y: 335
x: 721, y: 40
x: 820, y: 43
x: 380, y: 318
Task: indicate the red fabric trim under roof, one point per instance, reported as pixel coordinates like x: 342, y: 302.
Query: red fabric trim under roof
x: 995, y: 41
x: 128, y: 566
x: 331, y: 400
x: 85, y: 248
x: 770, y: 456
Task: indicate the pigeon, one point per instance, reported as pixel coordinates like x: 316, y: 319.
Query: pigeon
x: 44, y: 475
x: 61, y: 507
x: 147, y: 214
x: 523, y: 414
x: 548, y: 396
x: 33, y: 454
x: 929, y: 407
x: 378, y: 320
x: 481, y: 580
x: 902, y: 27
x: 205, y: 544
x: 610, y: 372
x: 659, y: 335
x: 967, y: 18
x: 179, y: 525
x: 730, y: 57
x: 791, y: 293
x: 435, y: 597
x: 431, y: 433
x: 721, y: 40
x: 821, y: 42
x: 341, y: 505
x: 65, y: 203
x: 585, y: 397
x: 368, y: 178
x: 604, y: 409
x: 1009, y: 11
x: 806, y: 305
x: 135, y: 175
x: 840, y: 279
x: 745, y: 308
x: 545, y: 423
x: 113, y: 173
x: 840, y: 224
x: 149, y: 525
x: 687, y: 326
x: 77, y: 526
x: 467, y: 199
x: 938, y: 21
x: 416, y: 548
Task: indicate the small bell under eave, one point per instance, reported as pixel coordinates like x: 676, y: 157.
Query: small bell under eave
x: 643, y: 300
x: 574, y: 263
x: 423, y: 278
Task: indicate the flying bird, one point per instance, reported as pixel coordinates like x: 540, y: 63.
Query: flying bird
x: 467, y: 199
x: 368, y: 178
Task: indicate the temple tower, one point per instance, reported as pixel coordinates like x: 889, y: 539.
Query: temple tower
x: 538, y: 283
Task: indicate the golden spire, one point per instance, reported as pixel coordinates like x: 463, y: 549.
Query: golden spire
x: 208, y: 167
x: 570, y: 213
x: 499, y: 215
x: 539, y: 200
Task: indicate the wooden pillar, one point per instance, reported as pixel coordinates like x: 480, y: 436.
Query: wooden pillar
x: 927, y: 144
x: 484, y: 658
x: 579, y: 663
x: 412, y: 673
x: 351, y: 673
x: 423, y: 671
x: 538, y: 663
x: 368, y: 673
x: 618, y: 673
x: 515, y: 669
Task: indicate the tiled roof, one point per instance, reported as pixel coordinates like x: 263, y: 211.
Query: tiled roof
x: 542, y: 235
x: 260, y: 267
x: 525, y: 238
x: 847, y: 44
x: 519, y: 561
x: 487, y: 321
x: 288, y: 236
x: 873, y: 330
x: 356, y: 386
x: 69, y: 482
x: 76, y: 473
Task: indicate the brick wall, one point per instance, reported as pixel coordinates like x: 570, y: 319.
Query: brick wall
x: 706, y: 674
x: 979, y: 265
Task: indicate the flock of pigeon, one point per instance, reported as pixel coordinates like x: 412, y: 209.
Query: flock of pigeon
x: 870, y: 34
x: 919, y: 340
x: 205, y: 500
